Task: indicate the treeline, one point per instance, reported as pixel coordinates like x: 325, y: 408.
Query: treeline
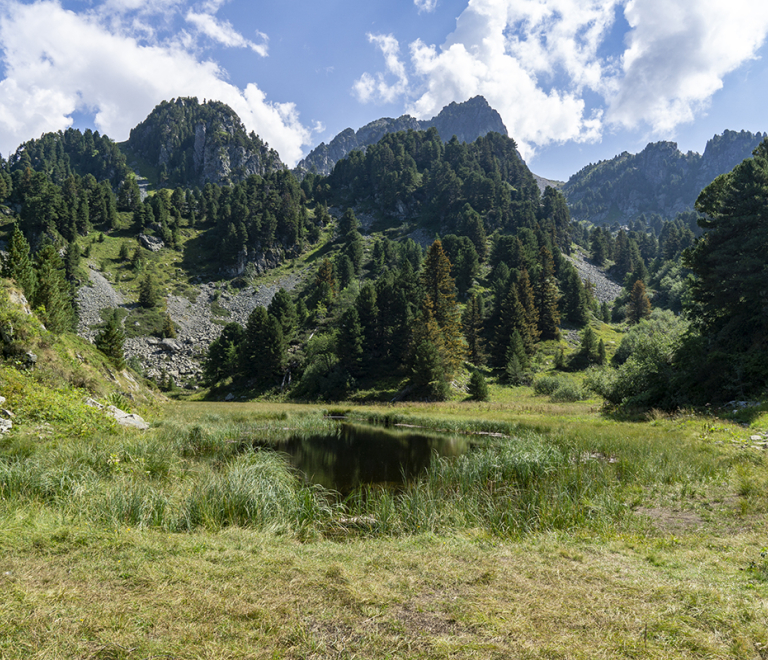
x: 456, y: 187
x: 61, y: 155
x: 396, y: 313
x: 716, y: 350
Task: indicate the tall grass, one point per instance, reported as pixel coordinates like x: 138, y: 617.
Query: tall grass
x: 207, y: 474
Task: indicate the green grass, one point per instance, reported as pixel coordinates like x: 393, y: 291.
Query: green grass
x: 564, y: 533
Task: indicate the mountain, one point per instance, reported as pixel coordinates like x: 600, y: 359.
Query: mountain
x: 192, y: 143
x: 660, y: 179
x: 467, y: 121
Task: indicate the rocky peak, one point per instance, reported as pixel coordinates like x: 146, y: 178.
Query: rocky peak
x: 467, y: 121
x: 194, y: 143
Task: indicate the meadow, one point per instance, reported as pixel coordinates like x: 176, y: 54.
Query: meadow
x: 567, y: 532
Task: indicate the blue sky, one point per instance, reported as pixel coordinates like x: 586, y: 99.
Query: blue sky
x: 575, y: 81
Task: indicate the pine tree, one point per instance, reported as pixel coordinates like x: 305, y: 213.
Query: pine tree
x: 478, y: 387
x: 52, y: 295
x: 638, y: 307
x: 601, y: 357
x: 589, y: 345
x: 350, y: 341
x: 472, y: 322
x: 525, y: 293
x: 439, y: 290
x: 547, y: 297
x: 110, y: 341
x: 282, y: 308
x: 264, y: 351
x: 223, y: 354
x: 148, y: 293
x: 18, y: 263
x: 169, y: 329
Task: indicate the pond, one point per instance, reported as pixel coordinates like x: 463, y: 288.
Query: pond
x: 354, y: 455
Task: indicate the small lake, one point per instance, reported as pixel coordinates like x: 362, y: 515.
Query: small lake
x: 354, y: 455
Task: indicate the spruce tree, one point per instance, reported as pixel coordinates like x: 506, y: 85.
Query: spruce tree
x: 110, y: 341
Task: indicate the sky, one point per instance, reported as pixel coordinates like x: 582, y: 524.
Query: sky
x: 575, y: 81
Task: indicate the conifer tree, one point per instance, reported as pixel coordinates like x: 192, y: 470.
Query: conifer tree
x: 472, y: 322
x: 525, y: 293
x: 223, y: 354
x: 71, y: 261
x: 264, y: 350
x: 110, y: 341
x: 52, y: 296
x: 350, y: 341
x: 589, y: 345
x: 169, y: 329
x: 547, y: 297
x: 478, y: 387
x: 282, y: 308
x: 18, y: 263
x: 148, y: 293
x: 638, y: 307
x: 439, y: 290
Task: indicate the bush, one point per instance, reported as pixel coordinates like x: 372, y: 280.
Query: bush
x: 560, y: 389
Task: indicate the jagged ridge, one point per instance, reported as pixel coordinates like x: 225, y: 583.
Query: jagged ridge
x: 467, y: 121
x: 660, y: 179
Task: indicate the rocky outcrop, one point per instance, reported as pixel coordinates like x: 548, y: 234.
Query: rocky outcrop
x: 193, y: 144
x: 198, y: 320
x: 467, y: 121
x: 660, y: 179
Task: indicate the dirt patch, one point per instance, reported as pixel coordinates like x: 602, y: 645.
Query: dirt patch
x: 671, y: 520
x: 424, y: 622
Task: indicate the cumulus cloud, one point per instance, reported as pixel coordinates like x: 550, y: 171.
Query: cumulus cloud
x: 223, y: 33
x: 547, y: 66
x: 58, y: 62
x: 509, y: 51
x: 677, y: 56
x: 369, y: 88
x: 425, y: 5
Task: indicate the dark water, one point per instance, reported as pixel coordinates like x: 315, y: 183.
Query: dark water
x: 354, y: 455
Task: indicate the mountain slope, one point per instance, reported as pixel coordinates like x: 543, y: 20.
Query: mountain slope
x: 660, y: 179
x: 192, y: 143
x: 467, y: 121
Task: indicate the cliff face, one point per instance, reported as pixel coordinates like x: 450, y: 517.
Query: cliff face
x: 467, y: 121
x: 193, y: 144
x: 660, y: 179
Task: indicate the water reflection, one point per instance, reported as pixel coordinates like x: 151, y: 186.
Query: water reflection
x: 355, y: 455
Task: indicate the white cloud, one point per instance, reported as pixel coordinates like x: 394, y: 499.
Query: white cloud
x: 505, y: 50
x: 678, y: 54
x: 367, y: 88
x: 425, y: 5
x: 57, y: 62
x: 223, y: 33
x: 538, y: 61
